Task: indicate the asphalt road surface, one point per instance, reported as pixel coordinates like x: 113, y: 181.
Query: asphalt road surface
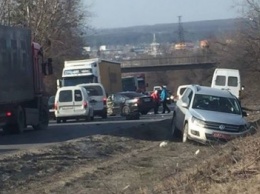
x: 71, y: 130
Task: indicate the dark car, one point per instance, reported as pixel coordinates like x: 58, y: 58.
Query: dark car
x: 51, y: 107
x: 129, y: 103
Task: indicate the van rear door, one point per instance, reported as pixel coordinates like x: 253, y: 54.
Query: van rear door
x: 65, y: 102
x: 79, y: 102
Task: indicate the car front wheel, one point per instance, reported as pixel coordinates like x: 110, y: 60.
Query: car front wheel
x: 185, y: 133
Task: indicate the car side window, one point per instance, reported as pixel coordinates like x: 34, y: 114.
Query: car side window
x: 117, y: 98
x: 185, y: 95
x: 77, y: 95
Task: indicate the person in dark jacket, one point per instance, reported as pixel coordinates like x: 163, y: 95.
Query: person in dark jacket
x: 164, y: 100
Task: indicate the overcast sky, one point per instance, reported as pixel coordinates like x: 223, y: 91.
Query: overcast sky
x: 125, y: 13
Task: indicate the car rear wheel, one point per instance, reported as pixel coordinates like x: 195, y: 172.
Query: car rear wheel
x: 58, y: 120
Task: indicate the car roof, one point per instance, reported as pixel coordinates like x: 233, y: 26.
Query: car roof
x: 70, y: 88
x: 91, y: 84
x: 212, y: 91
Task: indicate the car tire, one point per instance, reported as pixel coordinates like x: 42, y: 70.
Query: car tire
x: 173, y: 126
x: 144, y: 112
x: 125, y: 110
x: 185, y: 133
x: 58, y: 120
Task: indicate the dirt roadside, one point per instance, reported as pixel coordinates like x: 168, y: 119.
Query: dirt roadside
x: 127, y: 161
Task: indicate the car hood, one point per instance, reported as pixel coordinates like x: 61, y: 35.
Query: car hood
x: 218, y: 117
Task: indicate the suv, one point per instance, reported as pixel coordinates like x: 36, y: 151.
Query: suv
x: 206, y: 114
x: 98, y: 98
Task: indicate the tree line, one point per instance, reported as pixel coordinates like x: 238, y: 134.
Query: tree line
x: 59, y: 26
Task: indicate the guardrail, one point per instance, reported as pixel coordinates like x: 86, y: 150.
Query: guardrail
x: 168, y: 61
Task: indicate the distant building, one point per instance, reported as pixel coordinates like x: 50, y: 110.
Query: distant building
x: 154, y: 47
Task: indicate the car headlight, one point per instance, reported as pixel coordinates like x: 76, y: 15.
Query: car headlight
x: 172, y: 97
x: 197, y: 122
x: 135, y: 100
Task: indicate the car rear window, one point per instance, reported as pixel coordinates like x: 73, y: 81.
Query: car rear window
x: 232, y: 81
x: 65, y: 96
x: 94, y: 90
x: 220, y: 80
x: 78, y: 95
x: 132, y: 94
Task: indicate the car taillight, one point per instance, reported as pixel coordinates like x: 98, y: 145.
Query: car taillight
x: 104, y: 101
x: 56, y: 106
x: 85, y: 104
x: 8, y: 114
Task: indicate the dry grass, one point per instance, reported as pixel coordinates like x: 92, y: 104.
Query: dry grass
x: 235, y: 168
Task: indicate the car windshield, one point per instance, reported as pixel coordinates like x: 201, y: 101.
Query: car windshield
x: 131, y: 95
x: 73, y: 81
x: 216, y: 103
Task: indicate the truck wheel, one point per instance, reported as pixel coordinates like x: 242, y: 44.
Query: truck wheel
x: 58, y: 120
x: 19, y: 123
x: 43, y: 117
x: 104, y: 115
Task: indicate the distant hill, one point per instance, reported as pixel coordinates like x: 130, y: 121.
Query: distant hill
x: 165, y: 33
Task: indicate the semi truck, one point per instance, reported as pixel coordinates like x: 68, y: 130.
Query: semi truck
x: 134, y: 82
x: 95, y: 70
x: 22, y: 93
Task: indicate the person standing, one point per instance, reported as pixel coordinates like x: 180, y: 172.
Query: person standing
x: 156, y: 101
x: 164, y: 100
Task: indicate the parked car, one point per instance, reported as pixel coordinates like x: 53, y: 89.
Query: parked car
x: 73, y: 102
x: 129, y: 103
x: 98, y: 98
x: 206, y: 114
x: 51, y: 107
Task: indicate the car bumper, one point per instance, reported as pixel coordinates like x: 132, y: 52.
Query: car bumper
x: 204, y: 135
x: 76, y: 114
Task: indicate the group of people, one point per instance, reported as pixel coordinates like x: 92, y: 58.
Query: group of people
x: 159, y: 98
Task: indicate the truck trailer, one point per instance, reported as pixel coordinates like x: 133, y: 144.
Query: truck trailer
x: 22, y: 100
x: 95, y: 70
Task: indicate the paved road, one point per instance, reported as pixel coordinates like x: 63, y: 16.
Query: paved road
x: 71, y: 130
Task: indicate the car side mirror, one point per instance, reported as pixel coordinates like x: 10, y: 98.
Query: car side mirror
x: 244, y: 114
x: 184, y: 105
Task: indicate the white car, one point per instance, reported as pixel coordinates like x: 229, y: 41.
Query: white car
x: 98, y: 98
x: 206, y: 114
x: 72, y: 102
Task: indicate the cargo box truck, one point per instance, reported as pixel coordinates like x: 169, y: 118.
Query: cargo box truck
x: 22, y: 100
x: 95, y: 70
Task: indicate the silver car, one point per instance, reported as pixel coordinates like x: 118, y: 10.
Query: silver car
x: 206, y: 114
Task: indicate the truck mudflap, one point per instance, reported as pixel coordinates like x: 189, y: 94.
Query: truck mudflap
x: 43, y: 115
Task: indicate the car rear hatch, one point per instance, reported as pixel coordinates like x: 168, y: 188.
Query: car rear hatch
x: 96, y: 96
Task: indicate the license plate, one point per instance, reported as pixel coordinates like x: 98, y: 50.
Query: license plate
x: 67, y: 108
x: 221, y: 136
x: 147, y: 99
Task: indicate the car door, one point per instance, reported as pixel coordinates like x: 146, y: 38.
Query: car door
x: 79, y: 106
x: 182, y: 111
x: 65, y: 102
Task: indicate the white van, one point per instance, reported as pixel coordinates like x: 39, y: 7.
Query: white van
x: 98, y: 98
x: 72, y: 103
x: 228, y: 79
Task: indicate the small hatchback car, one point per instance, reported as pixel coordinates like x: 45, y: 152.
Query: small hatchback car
x: 206, y: 114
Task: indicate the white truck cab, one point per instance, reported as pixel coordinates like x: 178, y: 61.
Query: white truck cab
x: 227, y: 79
